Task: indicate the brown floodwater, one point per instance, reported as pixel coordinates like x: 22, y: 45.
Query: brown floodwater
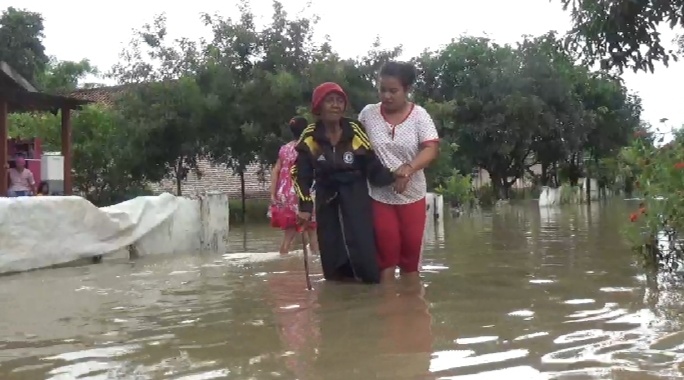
x: 516, y: 293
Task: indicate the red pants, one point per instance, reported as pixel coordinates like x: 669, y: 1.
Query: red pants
x: 399, y: 234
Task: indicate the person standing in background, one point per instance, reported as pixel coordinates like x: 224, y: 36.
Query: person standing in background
x: 284, y: 201
x: 406, y: 140
x: 22, y: 183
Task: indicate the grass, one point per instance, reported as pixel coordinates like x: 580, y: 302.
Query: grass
x: 488, y: 197
x: 256, y: 210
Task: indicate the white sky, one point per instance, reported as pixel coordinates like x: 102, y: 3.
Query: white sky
x: 99, y: 30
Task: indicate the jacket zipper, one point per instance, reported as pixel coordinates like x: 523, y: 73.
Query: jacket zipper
x: 344, y: 241
x: 341, y: 219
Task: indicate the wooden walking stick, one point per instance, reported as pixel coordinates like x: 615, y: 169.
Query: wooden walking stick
x: 305, y: 250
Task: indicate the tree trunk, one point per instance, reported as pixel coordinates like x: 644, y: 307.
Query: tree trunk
x: 587, y: 183
x: 556, y: 182
x: 544, y: 174
x: 508, y: 185
x: 179, y: 176
x: 498, y: 184
x: 629, y: 187
x: 242, y: 194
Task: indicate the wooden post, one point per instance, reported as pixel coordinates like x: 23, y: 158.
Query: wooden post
x: 66, y: 150
x: 3, y: 147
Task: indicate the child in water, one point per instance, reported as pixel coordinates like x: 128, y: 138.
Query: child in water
x: 284, y: 202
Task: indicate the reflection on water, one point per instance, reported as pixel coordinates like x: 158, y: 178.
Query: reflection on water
x: 515, y: 293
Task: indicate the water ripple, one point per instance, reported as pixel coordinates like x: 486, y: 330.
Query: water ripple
x: 515, y: 293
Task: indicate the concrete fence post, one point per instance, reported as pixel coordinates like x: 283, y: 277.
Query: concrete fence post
x: 214, y: 220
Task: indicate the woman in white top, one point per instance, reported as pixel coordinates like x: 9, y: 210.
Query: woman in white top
x: 405, y: 138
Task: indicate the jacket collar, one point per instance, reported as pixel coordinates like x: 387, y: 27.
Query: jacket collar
x: 347, y: 132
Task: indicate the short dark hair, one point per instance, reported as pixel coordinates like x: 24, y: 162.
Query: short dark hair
x: 404, y: 71
x: 297, y: 125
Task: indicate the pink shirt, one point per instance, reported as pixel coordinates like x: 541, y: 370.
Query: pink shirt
x: 21, y: 181
x: 398, y: 145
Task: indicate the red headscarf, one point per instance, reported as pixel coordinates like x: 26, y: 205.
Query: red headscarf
x: 322, y: 91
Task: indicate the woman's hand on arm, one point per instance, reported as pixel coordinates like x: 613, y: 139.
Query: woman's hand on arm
x: 403, y: 176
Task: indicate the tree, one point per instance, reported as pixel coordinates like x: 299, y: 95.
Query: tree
x: 623, y: 33
x: 169, y: 120
x: 496, y: 111
x: 65, y: 76
x: 243, y: 64
x: 21, y: 46
x: 167, y: 105
x: 151, y: 57
x: 510, y: 107
x: 21, y: 42
x: 559, y: 131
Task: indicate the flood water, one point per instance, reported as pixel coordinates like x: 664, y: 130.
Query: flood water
x: 516, y: 293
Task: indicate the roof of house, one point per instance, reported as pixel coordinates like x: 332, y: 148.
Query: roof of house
x: 103, y: 95
x: 22, y: 96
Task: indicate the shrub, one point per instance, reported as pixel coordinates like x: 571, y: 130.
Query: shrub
x: 457, y: 189
x: 657, y: 224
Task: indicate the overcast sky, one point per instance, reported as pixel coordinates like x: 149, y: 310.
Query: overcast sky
x: 97, y: 30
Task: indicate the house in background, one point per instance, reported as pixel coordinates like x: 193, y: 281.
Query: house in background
x: 481, y: 178
x: 214, y: 177
x: 18, y: 95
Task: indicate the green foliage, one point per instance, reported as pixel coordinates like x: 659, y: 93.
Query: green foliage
x: 569, y: 194
x: 486, y: 195
x: 64, y: 76
x: 511, y: 107
x: 168, y: 117
x: 457, y: 189
x: 21, y: 42
x: 503, y: 108
x: 615, y: 32
x: 21, y: 46
x: 657, y: 225
x: 442, y: 168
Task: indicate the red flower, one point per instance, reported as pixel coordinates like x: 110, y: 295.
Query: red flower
x: 679, y: 165
x: 633, y: 217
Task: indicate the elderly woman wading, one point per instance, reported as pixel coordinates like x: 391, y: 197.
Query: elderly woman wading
x: 336, y: 153
x: 405, y: 138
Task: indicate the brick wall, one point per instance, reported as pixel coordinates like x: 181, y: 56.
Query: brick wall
x: 220, y: 178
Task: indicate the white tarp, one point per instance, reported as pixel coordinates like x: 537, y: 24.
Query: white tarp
x: 37, y: 232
